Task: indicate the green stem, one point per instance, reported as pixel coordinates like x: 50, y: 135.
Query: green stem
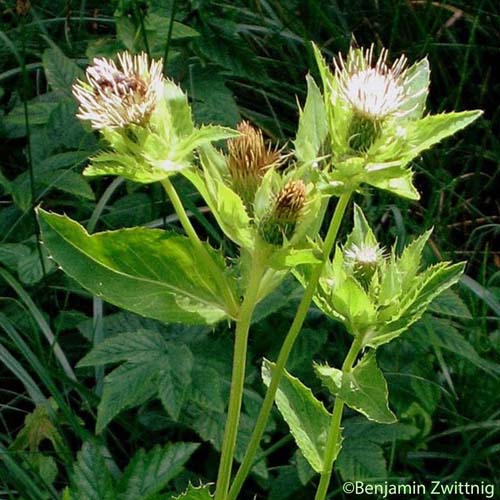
x: 238, y: 376
x: 206, y: 258
x: 286, y: 348
x: 332, y: 446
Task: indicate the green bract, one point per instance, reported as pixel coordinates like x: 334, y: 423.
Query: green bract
x: 380, y: 305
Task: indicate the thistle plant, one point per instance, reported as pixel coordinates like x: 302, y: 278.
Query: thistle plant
x: 361, y: 130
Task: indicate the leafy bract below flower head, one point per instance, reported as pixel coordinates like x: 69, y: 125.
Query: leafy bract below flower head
x: 287, y: 210
x: 119, y: 94
x: 249, y: 159
x: 381, y: 304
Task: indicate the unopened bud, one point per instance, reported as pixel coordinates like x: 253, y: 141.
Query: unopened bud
x: 249, y: 159
x: 285, y: 214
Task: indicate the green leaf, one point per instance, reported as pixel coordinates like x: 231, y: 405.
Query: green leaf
x: 416, y: 88
x: 401, y: 184
x: 362, y: 457
x: 306, y: 416
x: 201, y: 492
x: 175, y: 379
x: 409, y: 261
x: 148, y: 472
x: 427, y: 286
x: 362, y: 233
x: 442, y: 334
x: 424, y: 133
x: 60, y: 71
x: 91, y: 478
x: 69, y: 182
x: 449, y: 303
x: 225, y: 205
x: 137, y: 346
x: 364, y: 430
x: 313, y: 126
x: 361, y: 461
x: 150, y: 272
x: 131, y: 384
x: 363, y: 389
x: 154, y: 366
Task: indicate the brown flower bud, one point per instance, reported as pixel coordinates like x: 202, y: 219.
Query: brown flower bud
x: 249, y: 159
x: 286, y: 212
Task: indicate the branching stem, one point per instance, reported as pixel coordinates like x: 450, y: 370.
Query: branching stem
x: 286, y: 348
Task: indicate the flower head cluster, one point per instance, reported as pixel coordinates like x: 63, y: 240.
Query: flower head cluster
x: 119, y: 94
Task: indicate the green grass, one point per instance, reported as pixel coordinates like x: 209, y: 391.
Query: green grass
x: 249, y: 61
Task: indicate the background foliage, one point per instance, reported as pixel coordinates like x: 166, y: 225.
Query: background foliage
x: 235, y: 60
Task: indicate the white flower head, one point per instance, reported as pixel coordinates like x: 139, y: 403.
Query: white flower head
x: 374, y: 90
x: 119, y: 94
x: 364, y: 255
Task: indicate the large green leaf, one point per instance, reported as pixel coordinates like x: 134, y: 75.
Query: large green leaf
x: 60, y: 71
x: 131, y: 384
x: 306, y: 416
x: 313, y: 126
x: 362, y: 456
x: 363, y: 389
x: 148, y: 472
x: 150, y: 272
x: 153, y: 367
x: 91, y: 478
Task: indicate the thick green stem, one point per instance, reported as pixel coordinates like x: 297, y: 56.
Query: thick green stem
x: 286, y: 348
x: 238, y: 377
x: 207, y: 259
x: 332, y: 446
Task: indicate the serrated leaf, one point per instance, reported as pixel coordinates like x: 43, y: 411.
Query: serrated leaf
x: 69, y: 182
x: 424, y: 133
x: 201, y: 492
x: 443, y: 334
x: 148, y: 472
x: 449, y: 303
x: 131, y: 384
x: 363, y: 389
x: 427, y: 286
x: 361, y: 461
x: 91, y: 479
x: 364, y: 430
x: 175, y: 379
x: 313, y: 125
x: 60, y: 71
x: 137, y: 346
x: 401, y: 185
x: 150, y: 272
x: 306, y: 416
x: 416, y: 88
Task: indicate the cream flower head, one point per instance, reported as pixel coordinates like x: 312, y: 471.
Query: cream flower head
x: 374, y: 91
x: 116, y: 95
x: 364, y: 255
